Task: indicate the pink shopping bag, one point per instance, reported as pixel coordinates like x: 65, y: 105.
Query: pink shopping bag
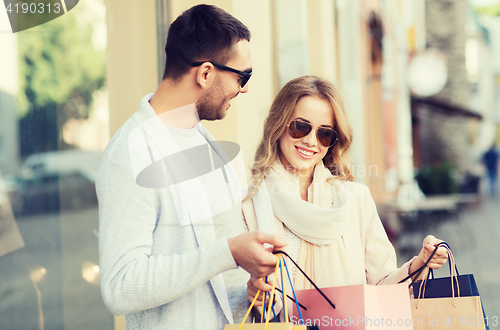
x: 361, y: 306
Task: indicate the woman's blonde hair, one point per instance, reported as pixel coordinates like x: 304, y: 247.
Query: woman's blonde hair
x: 336, y: 159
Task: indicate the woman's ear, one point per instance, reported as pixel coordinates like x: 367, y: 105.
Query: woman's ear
x: 205, y: 74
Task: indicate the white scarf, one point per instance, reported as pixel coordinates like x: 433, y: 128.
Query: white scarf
x: 320, y: 222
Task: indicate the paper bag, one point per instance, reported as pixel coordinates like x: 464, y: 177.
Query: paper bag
x: 358, y: 307
x: 441, y: 288
x: 262, y: 326
x: 450, y: 302
x: 463, y: 313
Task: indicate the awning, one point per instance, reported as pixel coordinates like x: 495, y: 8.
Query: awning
x: 445, y: 107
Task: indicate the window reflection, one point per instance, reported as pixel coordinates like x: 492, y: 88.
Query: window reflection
x: 91, y: 272
x: 53, y: 129
x: 10, y: 237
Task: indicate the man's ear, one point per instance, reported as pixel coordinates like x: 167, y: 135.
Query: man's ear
x: 205, y: 75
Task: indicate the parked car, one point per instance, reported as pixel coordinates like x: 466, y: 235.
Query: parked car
x: 64, y: 161
x: 51, y: 181
x: 44, y: 192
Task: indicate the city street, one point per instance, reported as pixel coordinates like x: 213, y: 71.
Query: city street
x: 474, y: 238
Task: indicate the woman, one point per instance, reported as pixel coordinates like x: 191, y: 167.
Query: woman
x: 303, y: 189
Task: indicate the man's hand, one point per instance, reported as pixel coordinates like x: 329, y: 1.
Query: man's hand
x: 249, y: 253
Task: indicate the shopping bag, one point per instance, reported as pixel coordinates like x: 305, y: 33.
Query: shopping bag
x: 361, y: 306
x: 441, y: 288
x: 351, y: 307
x: 447, y: 313
x: 452, y: 302
x: 267, y: 315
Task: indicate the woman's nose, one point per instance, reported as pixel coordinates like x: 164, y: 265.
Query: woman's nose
x: 310, y: 139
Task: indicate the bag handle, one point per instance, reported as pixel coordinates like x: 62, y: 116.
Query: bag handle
x: 449, y: 266
x: 293, y: 291
x: 278, y: 265
x: 453, y: 266
x: 265, y: 316
x: 419, y: 271
x: 307, y: 277
x: 257, y: 295
x: 281, y: 261
x: 453, y: 276
x: 283, y: 284
x: 291, y: 298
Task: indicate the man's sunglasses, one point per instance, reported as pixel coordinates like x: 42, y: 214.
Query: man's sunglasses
x: 245, y: 76
x: 298, y: 129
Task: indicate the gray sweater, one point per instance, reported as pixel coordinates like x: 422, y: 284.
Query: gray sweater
x: 161, y: 271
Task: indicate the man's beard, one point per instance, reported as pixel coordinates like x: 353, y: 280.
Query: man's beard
x: 211, y: 105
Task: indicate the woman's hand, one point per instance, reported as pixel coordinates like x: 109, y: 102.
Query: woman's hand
x: 437, y: 261
x: 255, y: 284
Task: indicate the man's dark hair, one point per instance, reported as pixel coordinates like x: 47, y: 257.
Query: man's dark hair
x: 203, y: 32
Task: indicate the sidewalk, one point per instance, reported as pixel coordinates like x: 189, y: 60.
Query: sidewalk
x: 475, y: 240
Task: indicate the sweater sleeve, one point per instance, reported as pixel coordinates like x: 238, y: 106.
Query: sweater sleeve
x: 132, y: 279
x: 380, y: 256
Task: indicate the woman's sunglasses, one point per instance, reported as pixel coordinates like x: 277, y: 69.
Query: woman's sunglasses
x: 298, y: 129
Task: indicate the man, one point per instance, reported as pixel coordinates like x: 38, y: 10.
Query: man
x: 490, y: 160
x: 171, y: 235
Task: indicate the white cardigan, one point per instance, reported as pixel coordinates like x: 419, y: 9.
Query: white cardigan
x: 159, y: 272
